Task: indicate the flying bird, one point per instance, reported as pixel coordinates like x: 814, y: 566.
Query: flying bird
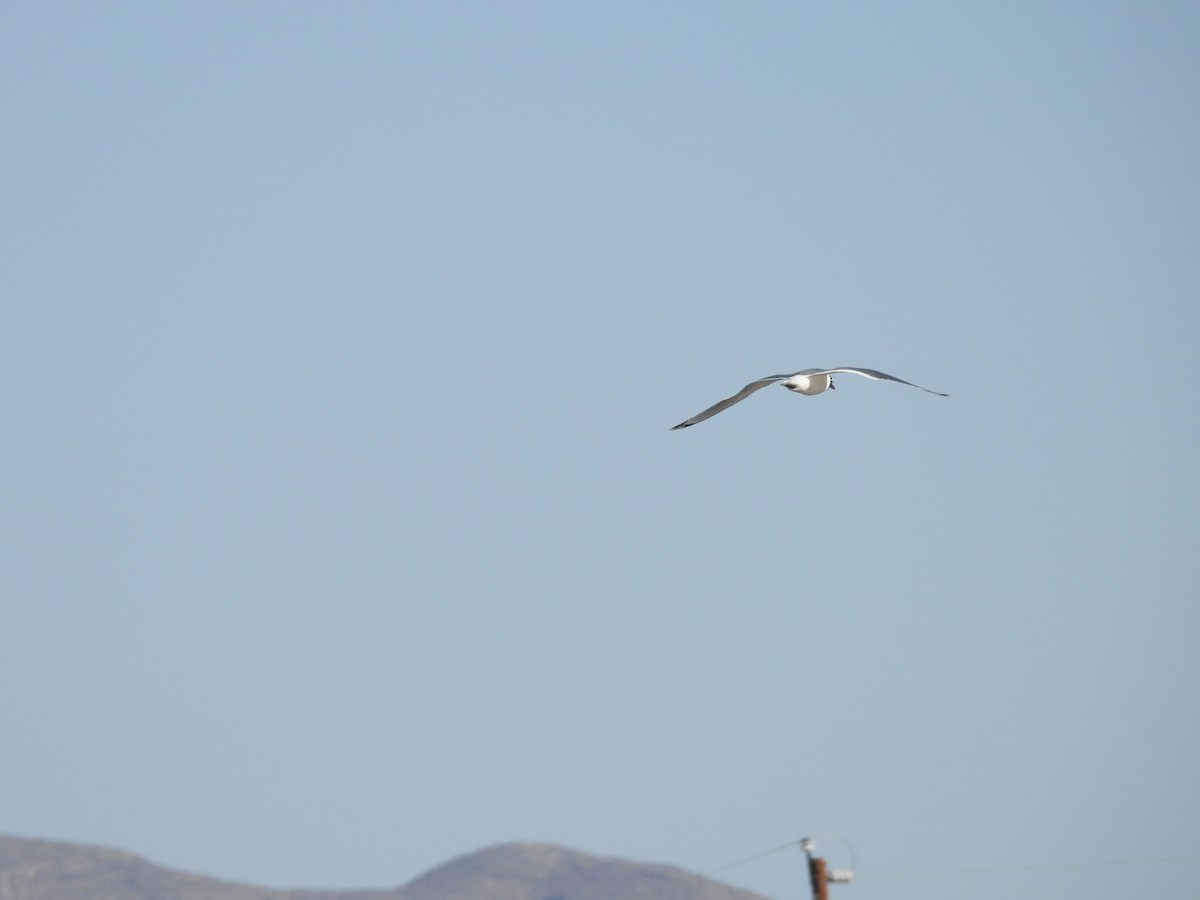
x: 806, y: 381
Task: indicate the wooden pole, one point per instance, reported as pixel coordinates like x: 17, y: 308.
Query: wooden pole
x: 816, y: 874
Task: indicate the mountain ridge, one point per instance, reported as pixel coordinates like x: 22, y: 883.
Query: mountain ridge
x: 42, y: 869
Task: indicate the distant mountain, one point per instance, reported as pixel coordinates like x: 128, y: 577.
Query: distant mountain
x: 51, y: 870
x: 546, y: 872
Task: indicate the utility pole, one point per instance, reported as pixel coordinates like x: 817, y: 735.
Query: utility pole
x: 819, y: 875
x: 816, y: 871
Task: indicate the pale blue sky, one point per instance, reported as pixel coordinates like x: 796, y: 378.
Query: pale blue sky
x: 343, y: 528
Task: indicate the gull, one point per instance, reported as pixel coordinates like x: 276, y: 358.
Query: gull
x: 806, y: 381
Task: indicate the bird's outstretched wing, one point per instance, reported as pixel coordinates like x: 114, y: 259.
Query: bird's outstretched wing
x: 875, y: 376
x: 729, y: 401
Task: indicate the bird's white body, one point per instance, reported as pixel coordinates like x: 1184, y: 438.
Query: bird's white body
x: 807, y: 381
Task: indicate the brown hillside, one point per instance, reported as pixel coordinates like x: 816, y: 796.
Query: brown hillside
x: 52, y: 870
x: 546, y: 872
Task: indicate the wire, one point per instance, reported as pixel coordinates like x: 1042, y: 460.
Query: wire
x: 742, y: 862
x: 1034, y: 867
x: 796, y: 843
x: 979, y: 870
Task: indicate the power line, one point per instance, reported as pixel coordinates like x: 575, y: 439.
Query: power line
x: 797, y: 843
x: 982, y: 870
x: 1033, y: 867
x: 748, y: 859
